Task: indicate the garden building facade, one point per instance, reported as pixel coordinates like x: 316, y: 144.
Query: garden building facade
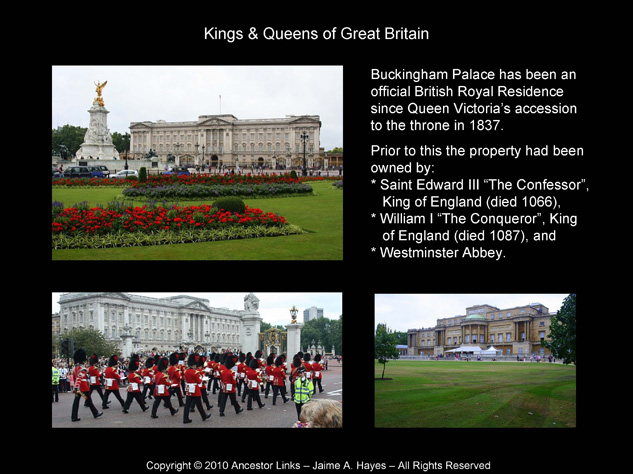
x: 516, y: 331
x: 226, y: 141
x: 164, y: 324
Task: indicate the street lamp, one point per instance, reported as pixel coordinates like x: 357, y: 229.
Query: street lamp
x: 304, y: 139
x: 293, y: 315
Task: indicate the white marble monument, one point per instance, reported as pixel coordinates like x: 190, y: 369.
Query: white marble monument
x: 97, y: 143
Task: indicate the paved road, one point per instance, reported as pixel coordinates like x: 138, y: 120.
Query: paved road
x: 279, y: 416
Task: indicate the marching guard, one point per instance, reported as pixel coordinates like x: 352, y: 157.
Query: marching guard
x: 94, y: 376
x: 227, y: 386
x: 82, y: 387
x: 134, y: 387
x: 174, y: 375
x: 112, y: 379
x: 252, y: 385
x: 148, y: 378
x: 279, y: 380
x: 162, y: 383
x: 317, y: 368
x: 192, y: 389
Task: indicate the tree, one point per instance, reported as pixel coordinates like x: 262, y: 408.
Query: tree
x: 70, y: 136
x: 90, y: 340
x: 562, y: 337
x: 385, y: 346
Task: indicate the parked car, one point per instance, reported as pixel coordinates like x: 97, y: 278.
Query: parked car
x: 177, y: 170
x: 105, y: 172
x: 96, y: 171
x: 125, y: 174
x: 77, y: 172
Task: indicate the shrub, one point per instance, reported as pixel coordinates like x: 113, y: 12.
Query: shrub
x: 142, y: 174
x: 230, y: 204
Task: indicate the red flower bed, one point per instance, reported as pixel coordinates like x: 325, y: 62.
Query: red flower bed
x: 146, y: 219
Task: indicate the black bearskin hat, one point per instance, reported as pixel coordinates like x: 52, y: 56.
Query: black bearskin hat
x: 94, y: 359
x: 80, y: 356
x: 270, y: 360
x: 253, y: 364
x: 242, y: 357
x: 173, y: 358
x: 162, y: 364
x: 149, y: 363
x: 133, y: 367
x: 317, y: 357
x: 112, y: 361
x: 296, y: 361
x: 258, y: 354
x: 279, y: 360
x: 193, y: 360
x: 229, y: 363
x: 306, y: 356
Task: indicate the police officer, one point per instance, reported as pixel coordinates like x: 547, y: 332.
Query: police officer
x: 303, y: 390
x: 55, y: 384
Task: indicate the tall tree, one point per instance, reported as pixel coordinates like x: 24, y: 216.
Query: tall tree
x: 562, y: 337
x: 385, y: 346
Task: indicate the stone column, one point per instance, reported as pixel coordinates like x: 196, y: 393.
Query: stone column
x: 294, y: 338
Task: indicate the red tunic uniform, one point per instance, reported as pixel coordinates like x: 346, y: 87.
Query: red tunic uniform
x: 134, y: 380
x: 94, y: 376
x: 112, y: 378
x: 317, y: 368
x: 174, y: 375
x: 192, y: 382
x: 161, y: 385
x: 279, y: 376
x: 81, y: 379
x: 227, y: 379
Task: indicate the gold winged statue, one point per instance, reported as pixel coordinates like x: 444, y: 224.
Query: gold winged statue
x: 99, y: 99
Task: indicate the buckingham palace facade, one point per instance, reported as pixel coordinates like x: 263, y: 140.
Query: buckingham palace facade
x: 226, y: 141
x: 162, y: 324
x: 516, y: 331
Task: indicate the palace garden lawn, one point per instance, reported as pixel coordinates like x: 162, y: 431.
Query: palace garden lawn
x: 475, y: 394
x: 319, y: 215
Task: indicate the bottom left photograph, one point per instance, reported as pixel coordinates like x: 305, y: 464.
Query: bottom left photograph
x: 187, y: 360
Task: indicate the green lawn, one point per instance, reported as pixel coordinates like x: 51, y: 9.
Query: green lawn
x: 460, y: 394
x: 320, y: 215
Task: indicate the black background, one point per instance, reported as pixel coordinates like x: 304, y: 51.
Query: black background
x: 474, y: 39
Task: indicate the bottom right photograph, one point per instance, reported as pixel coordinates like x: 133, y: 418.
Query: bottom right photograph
x: 475, y: 360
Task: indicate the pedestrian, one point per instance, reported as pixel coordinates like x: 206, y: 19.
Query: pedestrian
x: 134, y: 386
x: 55, y: 394
x: 82, y: 387
x: 303, y: 390
x: 112, y: 379
x: 63, y: 378
x: 228, y: 386
x: 162, y: 384
x: 279, y: 380
x: 317, y: 368
x: 252, y: 385
x: 192, y: 389
x: 321, y: 414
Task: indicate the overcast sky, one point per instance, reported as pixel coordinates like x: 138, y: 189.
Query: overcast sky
x: 182, y: 93
x: 274, y: 308
x: 413, y: 311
